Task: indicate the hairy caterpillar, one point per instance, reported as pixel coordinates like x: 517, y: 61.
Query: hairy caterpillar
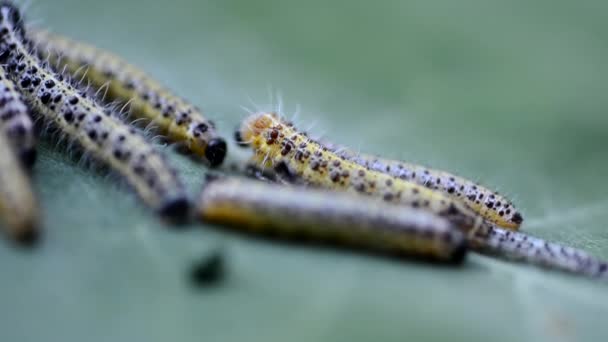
x: 488, y: 204
x: 297, y: 158
x: 148, y: 99
x: 326, y: 216
x: 18, y: 207
x: 16, y: 122
x: 519, y: 246
x: 84, y: 121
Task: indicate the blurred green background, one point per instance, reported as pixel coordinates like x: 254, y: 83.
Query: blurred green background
x: 510, y: 93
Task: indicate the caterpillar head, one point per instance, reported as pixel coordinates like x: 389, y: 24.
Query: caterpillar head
x: 253, y: 127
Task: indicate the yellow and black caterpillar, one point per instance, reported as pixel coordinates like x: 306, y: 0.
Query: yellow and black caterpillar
x: 279, y: 146
x: 172, y: 115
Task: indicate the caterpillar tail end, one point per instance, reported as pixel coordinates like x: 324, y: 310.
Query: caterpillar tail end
x: 176, y: 210
x: 216, y: 151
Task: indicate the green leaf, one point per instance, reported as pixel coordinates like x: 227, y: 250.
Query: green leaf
x: 510, y: 93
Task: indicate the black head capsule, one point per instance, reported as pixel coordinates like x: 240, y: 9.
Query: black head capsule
x: 176, y: 210
x: 216, y: 151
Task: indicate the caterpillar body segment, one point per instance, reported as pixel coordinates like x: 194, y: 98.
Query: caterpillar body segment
x: 172, y: 116
x: 16, y: 122
x: 489, y: 204
x: 19, y: 213
x: 319, y: 215
x: 85, y: 122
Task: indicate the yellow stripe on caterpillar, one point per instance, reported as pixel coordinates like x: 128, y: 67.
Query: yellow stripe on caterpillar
x: 355, y: 221
x: 173, y: 116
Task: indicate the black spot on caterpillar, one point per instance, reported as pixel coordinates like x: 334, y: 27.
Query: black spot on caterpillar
x: 19, y: 211
x: 521, y: 247
x: 16, y: 122
x: 174, y: 117
x: 295, y: 157
x: 83, y: 121
x: 356, y: 221
x: 487, y: 203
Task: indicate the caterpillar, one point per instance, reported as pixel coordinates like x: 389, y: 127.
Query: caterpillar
x: 15, y: 121
x: 18, y: 207
x: 174, y: 117
x: 522, y: 247
x: 297, y: 158
x: 320, y: 215
x: 83, y: 121
x: 485, y: 202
